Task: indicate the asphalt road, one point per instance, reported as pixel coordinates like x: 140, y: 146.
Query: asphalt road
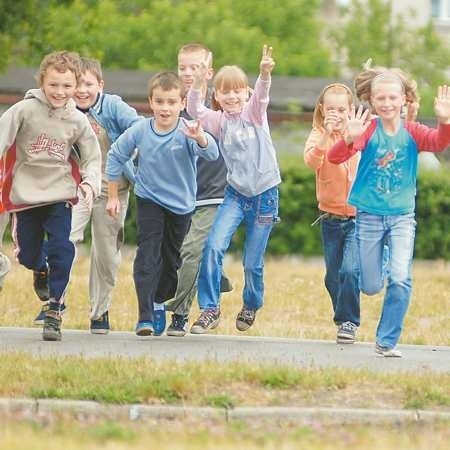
x: 294, y: 352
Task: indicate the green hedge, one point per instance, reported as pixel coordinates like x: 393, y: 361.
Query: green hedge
x: 298, y: 209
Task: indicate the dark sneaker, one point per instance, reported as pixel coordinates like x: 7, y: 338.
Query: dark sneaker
x: 225, y: 284
x: 346, y: 333
x: 208, y: 320
x: 159, y: 319
x: 387, y: 352
x: 52, y: 326
x: 39, y: 319
x: 100, y: 325
x: 245, y: 319
x: 178, y: 327
x: 40, y: 284
x: 144, y: 328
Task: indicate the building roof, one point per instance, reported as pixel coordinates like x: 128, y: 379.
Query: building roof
x: 287, y: 93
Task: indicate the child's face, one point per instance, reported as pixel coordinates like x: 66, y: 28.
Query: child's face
x: 58, y: 87
x: 87, y: 90
x: 188, y: 63
x: 166, y: 106
x: 336, y: 104
x: 387, y: 99
x: 232, y: 100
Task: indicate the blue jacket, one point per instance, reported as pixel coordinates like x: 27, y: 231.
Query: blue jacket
x: 115, y: 116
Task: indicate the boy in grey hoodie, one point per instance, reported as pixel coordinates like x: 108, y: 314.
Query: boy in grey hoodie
x: 37, y: 134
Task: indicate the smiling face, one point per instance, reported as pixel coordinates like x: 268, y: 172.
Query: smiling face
x: 89, y: 86
x: 336, y: 103
x: 387, y: 98
x: 58, y: 86
x: 232, y: 100
x: 166, y: 106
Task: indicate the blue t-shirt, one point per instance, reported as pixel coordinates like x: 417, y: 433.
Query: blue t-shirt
x: 385, y: 182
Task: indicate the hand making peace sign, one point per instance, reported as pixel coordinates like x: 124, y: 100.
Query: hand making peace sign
x: 267, y: 63
x: 202, y: 71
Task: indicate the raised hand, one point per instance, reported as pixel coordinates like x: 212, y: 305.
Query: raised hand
x: 194, y: 130
x: 442, y: 104
x: 357, y: 122
x: 201, y: 73
x: 267, y: 63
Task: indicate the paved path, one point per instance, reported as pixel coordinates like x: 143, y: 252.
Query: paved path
x: 299, y: 353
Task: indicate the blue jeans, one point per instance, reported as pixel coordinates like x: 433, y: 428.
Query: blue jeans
x: 373, y: 232
x: 259, y: 213
x: 342, y: 268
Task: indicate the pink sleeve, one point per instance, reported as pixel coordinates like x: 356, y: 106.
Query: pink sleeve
x: 209, y: 119
x: 429, y: 139
x: 255, y: 110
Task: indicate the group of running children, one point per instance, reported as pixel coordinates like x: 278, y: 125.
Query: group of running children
x: 202, y: 164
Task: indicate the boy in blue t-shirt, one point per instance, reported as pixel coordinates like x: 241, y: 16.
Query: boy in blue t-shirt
x: 165, y: 188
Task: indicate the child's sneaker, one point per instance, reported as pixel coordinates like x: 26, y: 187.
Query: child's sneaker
x: 144, y: 328
x: 178, y: 327
x: 346, y: 333
x: 208, y: 320
x: 100, y: 325
x: 52, y: 326
x: 245, y: 319
x: 159, y: 318
x: 40, y: 284
x: 387, y: 352
x: 39, y: 319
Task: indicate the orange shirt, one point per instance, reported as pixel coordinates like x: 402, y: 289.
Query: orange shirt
x: 333, y: 181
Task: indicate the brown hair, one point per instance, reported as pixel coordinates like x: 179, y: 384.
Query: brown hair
x: 228, y: 77
x: 336, y: 88
x: 61, y: 61
x: 166, y: 81
x: 364, y: 80
x: 93, y: 66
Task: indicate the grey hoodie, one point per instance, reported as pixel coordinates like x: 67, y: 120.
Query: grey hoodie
x: 39, y: 139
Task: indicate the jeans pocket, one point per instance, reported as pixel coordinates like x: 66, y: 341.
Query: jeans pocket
x: 267, y: 213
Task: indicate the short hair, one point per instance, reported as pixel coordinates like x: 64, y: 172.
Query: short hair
x: 93, y: 66
x: 194, y: 48
x: 335, y: 88
x: 166, y: 81
x: 61, y: 61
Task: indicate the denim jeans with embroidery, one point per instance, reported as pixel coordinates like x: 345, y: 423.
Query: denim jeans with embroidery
x: 373, y: 233
x: 259, y: 213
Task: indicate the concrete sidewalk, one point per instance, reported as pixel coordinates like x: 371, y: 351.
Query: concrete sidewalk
x: 298, y: 353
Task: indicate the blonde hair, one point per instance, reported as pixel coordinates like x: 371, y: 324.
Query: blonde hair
x: 369, y: 75
x: 93, y: 66
x: 335, y: 88
x: 194, y: 48
x: 227, y: 78
x: 61, y: 61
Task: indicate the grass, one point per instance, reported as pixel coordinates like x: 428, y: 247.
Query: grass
x: 142, y: 380
x: 296, y: 302
x: 191, y: 434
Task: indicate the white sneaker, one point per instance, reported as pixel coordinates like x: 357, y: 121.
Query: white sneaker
x: 387, y: 352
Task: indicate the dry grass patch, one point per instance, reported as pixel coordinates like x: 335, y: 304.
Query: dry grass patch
x: 296, y: 302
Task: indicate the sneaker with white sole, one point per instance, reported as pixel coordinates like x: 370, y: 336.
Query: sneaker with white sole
x: 100, y: 325
x: 346, y: 333
x: 387, y: 352
x: 39, y: 319
x: 245, y: 319
x: 178, y: 327
x: 208, y: 320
